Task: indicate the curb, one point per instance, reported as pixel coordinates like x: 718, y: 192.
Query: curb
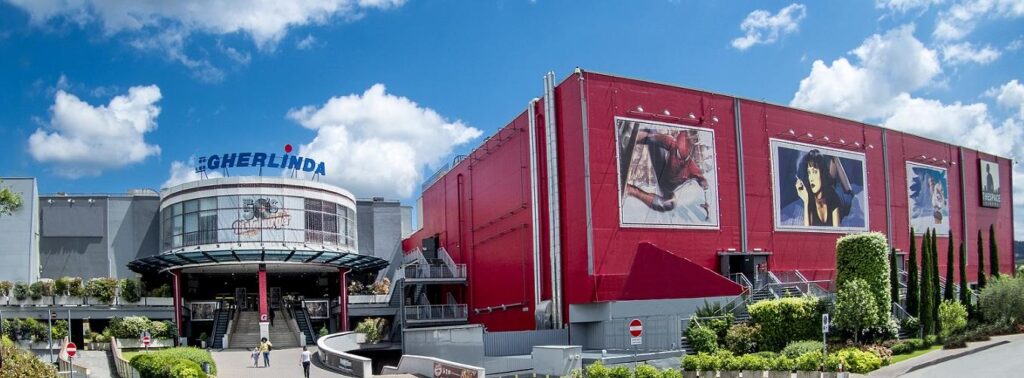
x: 958, y: 355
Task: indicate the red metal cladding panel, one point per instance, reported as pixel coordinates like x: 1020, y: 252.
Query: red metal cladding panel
x: 615, y: 246
x: 577, y: 283
x: 980, y: 218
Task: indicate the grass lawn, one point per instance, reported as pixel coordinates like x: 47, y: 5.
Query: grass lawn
x: 903, y: 357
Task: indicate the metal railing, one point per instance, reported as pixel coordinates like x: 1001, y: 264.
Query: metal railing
x: 899, y: 312
x: 428, y: 271
x: 742, y: 280
x: 446, y: 312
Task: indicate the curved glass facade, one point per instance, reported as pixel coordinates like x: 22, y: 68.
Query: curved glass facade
x: 256, y: 218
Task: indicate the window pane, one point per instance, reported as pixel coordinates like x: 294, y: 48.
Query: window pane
x: 312, y: 204
x: 208, y: 227
x: 176, y: 209
x: 191, y: 206
x: 209, y: 203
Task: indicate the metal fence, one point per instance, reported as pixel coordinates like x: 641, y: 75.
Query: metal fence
x: 522, y: 342
x: 444, y: 312
x: 424, y: 271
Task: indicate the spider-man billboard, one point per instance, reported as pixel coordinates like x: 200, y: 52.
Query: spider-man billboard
x: 667, y: 175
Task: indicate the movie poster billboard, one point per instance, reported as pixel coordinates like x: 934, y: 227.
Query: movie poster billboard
x: 204, y: 311
x: 928, y: 198
x: 667, y: 175
x: 989, y: 177
x: 818, y: 189
x: 317, y: 309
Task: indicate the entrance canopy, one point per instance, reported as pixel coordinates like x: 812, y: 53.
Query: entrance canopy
x: 196, y: 259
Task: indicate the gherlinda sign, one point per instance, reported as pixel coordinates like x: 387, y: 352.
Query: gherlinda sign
x: 260, y: 160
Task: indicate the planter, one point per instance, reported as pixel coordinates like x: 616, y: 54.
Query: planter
x: 137, y: 344
x: 99, y: 346
x: 829, y: 374
x: 808, y: 374
x: 690, y: 374
x: 708, y: 374
x: 779, y: 374
x: 68, y: 301
x: 38, y: 345
x: 729, y: 374
x: 202, y: 344
x: 29, y: 302
x: 158, y: 301
x: 361, y: 338
x: 753, y: 373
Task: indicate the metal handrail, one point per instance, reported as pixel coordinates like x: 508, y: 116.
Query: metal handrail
x: 741, y: 279
x: 437, y: 312
x: 899, y: 311
x: 424, y: 271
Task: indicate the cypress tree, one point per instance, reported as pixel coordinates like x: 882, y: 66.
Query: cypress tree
x: 981, y: 261
x: 913, y: 293
x: 894, y: 277
x: 993, y: 251
x: 948, y: 289
x: 965, y: 299
x: 925, y: 308
x: 936, y: 289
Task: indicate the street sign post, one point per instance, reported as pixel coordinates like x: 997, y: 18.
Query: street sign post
x: 824, y: 334
x: 71, y: 349
x: 145, y: 340
x: 636, y: 332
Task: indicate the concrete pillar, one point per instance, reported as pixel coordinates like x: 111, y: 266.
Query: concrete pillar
x: 343, y: 303
x: 262, y: 300
x: 176, y: 289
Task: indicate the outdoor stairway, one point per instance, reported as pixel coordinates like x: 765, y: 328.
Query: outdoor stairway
x: 302, y: 319
x: 220, y: 327
x: 247, y: 332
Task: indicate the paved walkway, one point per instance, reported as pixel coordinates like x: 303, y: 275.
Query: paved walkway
x: 919, y: 364
x: 98, y: 362
x: 237, y: 363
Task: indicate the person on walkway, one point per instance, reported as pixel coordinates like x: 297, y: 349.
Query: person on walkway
x: 256, y: 357
x: 306, y: 358
x: 265, y: 347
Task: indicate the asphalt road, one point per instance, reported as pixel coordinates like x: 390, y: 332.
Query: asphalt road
x: 1002, y: 361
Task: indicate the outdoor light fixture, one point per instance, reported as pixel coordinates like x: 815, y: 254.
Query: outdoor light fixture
x: 91, y: 200
x: 714, y: 119
x: 692, y: 116
x: 856, y: 144
x: 640, y: 108
x: 71, y: 200
x: 809, y: 135
x: 666, y: 112
x: 842, y: 141
x: 871, y: 146
x: 827, y: 139
x: 791, y: 132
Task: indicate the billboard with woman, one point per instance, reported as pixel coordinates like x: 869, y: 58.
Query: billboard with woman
x: 818, y: 189
x: 667, y: 175
x: 928, y: 198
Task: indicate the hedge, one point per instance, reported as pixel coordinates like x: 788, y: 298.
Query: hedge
x: 20, y: 363
x: 1003, y: 300
x: 784, y: 320
x: 103, y: 289
x: 179, y: 362
x: 131, y: 291
x: 702, y: 339
x: 852, y: 360
x: 798, y: 348
x: 131, y: 327
x: 865, y: 256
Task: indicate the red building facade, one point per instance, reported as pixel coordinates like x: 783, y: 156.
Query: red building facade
x: 497, y: 211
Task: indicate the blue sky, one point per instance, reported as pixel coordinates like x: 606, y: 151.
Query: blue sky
x: 187, y: 81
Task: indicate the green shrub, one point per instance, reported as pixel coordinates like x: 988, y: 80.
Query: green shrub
x: 173, y: 363
x: 955, y: 342
x: 1003, y: 299
x: 854, y: 360
x: 930, y: 340
x: 646, y: 371
x: 671, y: 373
x: 36, y: 290
x: 69, y: 286
x: 130, y: 290
x: 784, y: 320
x: 162, y: 291
x: 952, y: 317
x: 742, y: 338
x: 865, y: 256
x: 883, y: 353
x: 855, y: 308
x: 810, y: 361
x: 20, y: 363
x: 130, y: 327
x: 102, y: 289
x: 22, y: 290
x: 597, y: 370
x: 798, y: 348
x: 186, y: 369
x: 781, y: 363
x: 373, y: 328
x: 324, y: 332
x: 619, y: 371
x: 702, y: 339
x: 747, y: 362
x: 5, y: 288
x: 911, y: 325
x: 977, y: 334
x: 902, y: 348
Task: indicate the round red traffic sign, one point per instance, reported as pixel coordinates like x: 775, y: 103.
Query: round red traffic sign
x: 71, y: 349
x: 636, y: 328
x: 145, y: 340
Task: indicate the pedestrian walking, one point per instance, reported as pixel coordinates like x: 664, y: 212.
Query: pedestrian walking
x: 265, y: 348
x: 256, y: 357
x: 306, y: 358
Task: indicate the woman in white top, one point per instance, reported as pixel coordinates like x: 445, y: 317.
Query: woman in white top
x: 306, y: 358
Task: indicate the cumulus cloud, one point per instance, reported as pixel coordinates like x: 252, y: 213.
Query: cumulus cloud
x: 84, y: 140
x: 376, y: 143
x: 1009, y: 95
x: 306, y: 43
x: 960, y: 19
x: 961, y: 53
x: 885, y: 66
x: 184, y: 171
x: 167, y: 25
x: 904, y: 6
x: 762, y: 27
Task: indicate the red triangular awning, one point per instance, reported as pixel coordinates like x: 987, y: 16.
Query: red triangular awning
x: 656, y: 273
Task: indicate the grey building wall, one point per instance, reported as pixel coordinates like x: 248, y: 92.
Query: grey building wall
x: 19, y: 251
x: 133, y: 231
x: 382, y: 225
x: 603, y: 325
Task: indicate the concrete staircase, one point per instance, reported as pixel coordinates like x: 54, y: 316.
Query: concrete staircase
x: 247, y: 331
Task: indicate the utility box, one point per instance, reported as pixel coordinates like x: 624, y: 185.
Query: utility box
x: 557, y: 360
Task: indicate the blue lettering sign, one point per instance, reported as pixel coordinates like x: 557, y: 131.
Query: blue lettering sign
x: 261, y: 160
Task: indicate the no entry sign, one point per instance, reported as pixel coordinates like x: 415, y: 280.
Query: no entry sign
x: 145, y: 340
x: 71, y: 349
x: 636, y: 331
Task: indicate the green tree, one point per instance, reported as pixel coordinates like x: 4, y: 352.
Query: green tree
x: 925, y: 308
x: 993, y: 250
x: 913, y: 289
x: 10, y: 200
x: 964, y: 288
x: 864, y: 256
x: 981, y: 261
x: 854, y: 308
x: 894, y: 277
x: 936, y: 289
x: 947, y: 293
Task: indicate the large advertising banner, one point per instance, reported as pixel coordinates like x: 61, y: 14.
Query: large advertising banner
x: 667, y: 175
x: 818, y: 189
x: 928, y: 193
x: 989, y: 184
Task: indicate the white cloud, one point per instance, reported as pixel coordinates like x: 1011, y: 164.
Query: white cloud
x: 761, y: 27
x: 306, y: 43
x: 1015, y: 45
x: 960, y: 19
x: 167, y: 25
x: 904, y: 6
x: 377, y: 143
x: 886, y: 66
x: 182, y: 172
x: 1010, y: 95
x: 85, y: 140
x: 961, y: 53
